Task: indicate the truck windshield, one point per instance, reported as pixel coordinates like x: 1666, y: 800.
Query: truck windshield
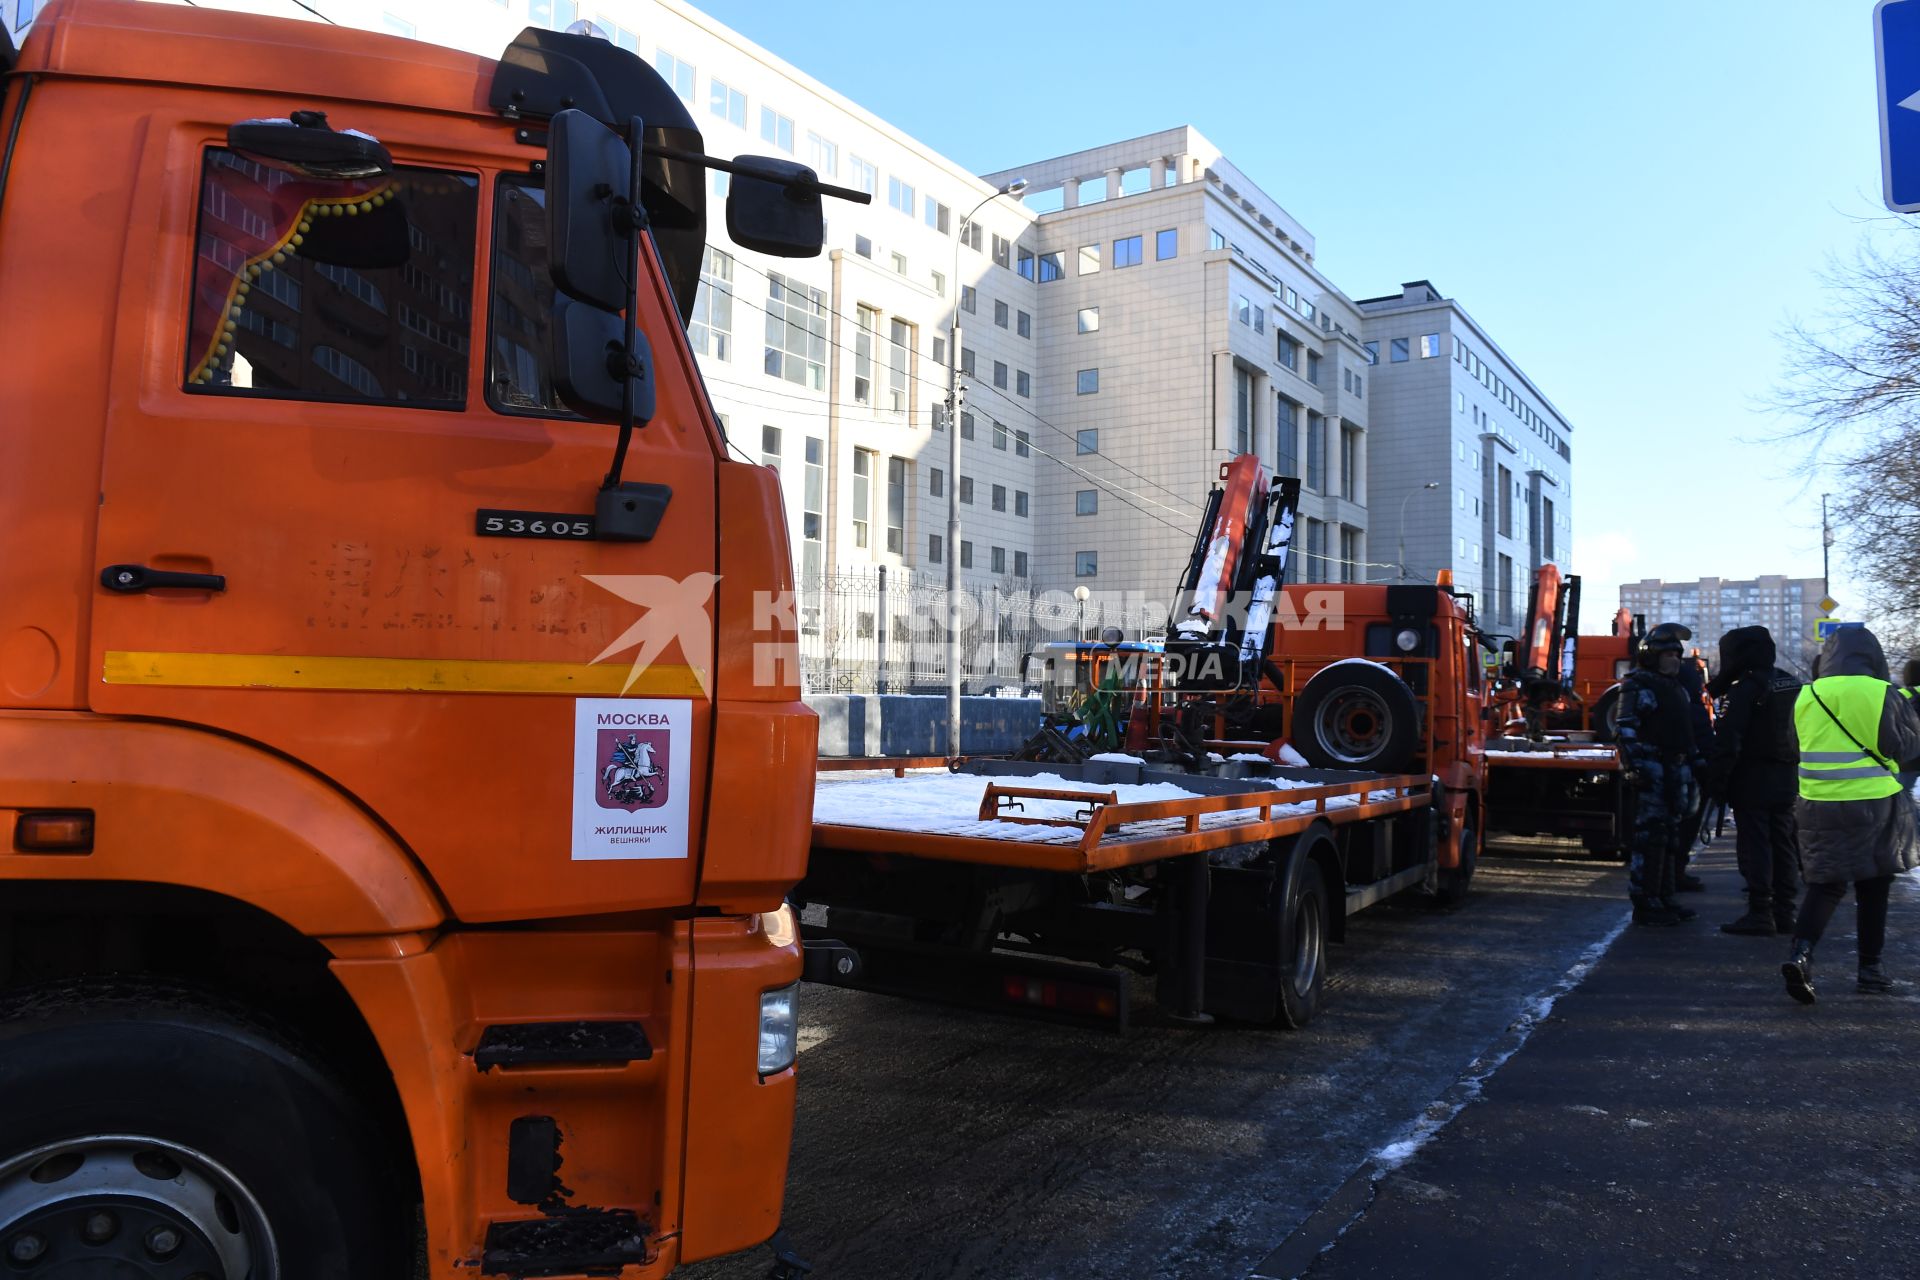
x: 327, y: 289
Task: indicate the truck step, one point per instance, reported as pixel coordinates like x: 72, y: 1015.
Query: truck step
x: 591, y: 1240
x: 529, y: 1044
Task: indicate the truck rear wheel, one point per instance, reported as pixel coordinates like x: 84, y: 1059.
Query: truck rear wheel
x: 151, y: 1130
x: 1453, y: 882
x: 1356, y: 715
x: 1606, y: 716
x: 1303, y: 946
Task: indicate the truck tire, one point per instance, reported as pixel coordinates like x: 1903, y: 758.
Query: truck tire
x: 152, y: 1125
x: 1303, y: 944
x: 1356, y: 715
x: 1453, y: 882
x: 1606, y: 725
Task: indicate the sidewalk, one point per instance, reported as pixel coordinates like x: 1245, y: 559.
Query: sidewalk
x: 1677, y: 1114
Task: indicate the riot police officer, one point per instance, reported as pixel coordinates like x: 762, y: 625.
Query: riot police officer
x: 1657, y: 744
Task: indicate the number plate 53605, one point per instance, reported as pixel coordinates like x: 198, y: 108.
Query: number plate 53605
x: 491, y: 523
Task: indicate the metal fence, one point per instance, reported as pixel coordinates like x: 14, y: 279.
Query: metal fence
x: 872, y: 631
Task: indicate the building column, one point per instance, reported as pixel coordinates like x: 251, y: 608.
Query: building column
x: 1113, y: 184
x: 1070, y: 194
x: 1158, y: 170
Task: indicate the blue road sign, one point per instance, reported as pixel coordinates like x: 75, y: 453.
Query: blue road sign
x: 1896, y: 54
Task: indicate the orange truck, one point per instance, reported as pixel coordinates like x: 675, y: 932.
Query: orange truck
x: 351, y: 910
x: 1157, y: 826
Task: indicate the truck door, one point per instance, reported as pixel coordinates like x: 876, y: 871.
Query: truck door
x: 343, y: 516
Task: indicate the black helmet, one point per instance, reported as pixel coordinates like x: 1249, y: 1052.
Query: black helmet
x: 1668, y: 637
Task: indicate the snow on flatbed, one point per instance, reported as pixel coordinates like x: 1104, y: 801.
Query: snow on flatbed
x: 948, y: 804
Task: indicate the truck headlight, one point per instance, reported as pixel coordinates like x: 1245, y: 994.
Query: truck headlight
x: 1407, y: 640
x: 779, y: 1029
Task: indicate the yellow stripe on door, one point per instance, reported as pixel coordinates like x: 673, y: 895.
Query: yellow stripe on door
x: 399, y: 675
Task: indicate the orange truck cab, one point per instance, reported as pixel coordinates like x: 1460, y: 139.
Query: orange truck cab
x: 376, y: 874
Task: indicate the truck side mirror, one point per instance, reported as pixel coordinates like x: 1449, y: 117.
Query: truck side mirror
x: 307, y: 144
x: 590, y: 222
x: 773, y: 207
x: 590, y: 361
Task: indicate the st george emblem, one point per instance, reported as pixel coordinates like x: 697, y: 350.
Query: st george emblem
x: 634, y: 773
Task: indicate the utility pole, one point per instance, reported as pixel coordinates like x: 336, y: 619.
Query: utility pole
x: 1826, y: 545
x: 954, y: 400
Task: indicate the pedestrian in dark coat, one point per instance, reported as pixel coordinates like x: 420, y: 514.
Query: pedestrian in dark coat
x: 1693, y: 682
x: 1656, y: 746
x: 1855, y: 822
x: 1752, y: 770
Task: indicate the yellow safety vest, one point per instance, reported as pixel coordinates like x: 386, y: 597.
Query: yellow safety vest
x: 1831, y: 766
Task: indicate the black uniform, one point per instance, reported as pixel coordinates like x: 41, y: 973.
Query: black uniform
x: 1693, y: 680
x: 1656, y: 740
x: 1754, y: 768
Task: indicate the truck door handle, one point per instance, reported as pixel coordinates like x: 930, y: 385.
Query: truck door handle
x: 129, y: 578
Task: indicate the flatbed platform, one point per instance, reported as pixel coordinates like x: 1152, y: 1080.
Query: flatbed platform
x: 1011, y: 815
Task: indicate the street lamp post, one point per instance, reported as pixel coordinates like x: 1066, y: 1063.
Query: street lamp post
x: 1411, y: 494
x: 1081, y: 594
x: 1013, y: 188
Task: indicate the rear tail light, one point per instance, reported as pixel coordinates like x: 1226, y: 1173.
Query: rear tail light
x: 1067, y: 997
x: 54, y: 831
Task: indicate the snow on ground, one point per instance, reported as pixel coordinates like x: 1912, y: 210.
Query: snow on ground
x: 1584, y: 753
x: 949, y: 804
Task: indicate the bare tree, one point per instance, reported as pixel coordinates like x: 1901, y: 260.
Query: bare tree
x: 1853, y: 384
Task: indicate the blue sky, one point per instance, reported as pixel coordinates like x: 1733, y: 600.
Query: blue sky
x: 1633, y: 198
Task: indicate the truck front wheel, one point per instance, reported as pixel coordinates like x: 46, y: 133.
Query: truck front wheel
x: 151, y: 1130
x: 1303, y: 946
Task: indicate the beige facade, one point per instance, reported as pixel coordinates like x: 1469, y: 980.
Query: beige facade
x: 1711, y: 607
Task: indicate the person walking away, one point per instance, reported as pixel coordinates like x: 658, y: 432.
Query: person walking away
x: 1752, y: 771
x: 1855, y: 731
x: 1656, y: 743
x: 1693, y: 681
x: 1909, y: 679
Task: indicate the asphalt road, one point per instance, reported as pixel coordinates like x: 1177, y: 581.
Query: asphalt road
x: 939, y: 1143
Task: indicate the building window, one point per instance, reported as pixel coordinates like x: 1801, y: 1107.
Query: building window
x: 966, y: 554
x: 1243, y: 309
x: 1350, y: 567
x: 770, y: 447
x: 1215, y: 240
x: 1429, y: 345
x: 1002, y: 252
x: 1166, y: 244
x: 1350, y: 464
x: 899, y: 365
x: 1373, y: 351
x: 966, y: 423
x: 1086, y: 440
x: 1089, y: 259
x: 865, y: 177
x: 1089, y: 320
x: 1086, y: 502
x: 900, y: 195
x: 1397, y: 350
x: 777, y: 129
x: 933, y: 548
x: 1022, y: 444
x: 998, y: 498
x: 968, y: 363
x: 1001, y: 313
x: 1086, y: 382
x: 1000, y: 436
x: 900, y: 264
x: 1316, y: 452
x: 1053, y: 266
x: 1546, y: 528
x: 823, y: 156
x: 796, y: 333
x: 897, y: 505
x: 814, y: 505
x: 966, y: 490
x: 1126, y: 253
x: 1019, y: 564
x: 1022, y: 383
x: 940, y: 284
x: 1259, y: 319
x: 1289, y: 353
x: 862, y: 494
x: 969, y: 300
x: 1286, y: 427
x: 939, y: 217
x: 1024, y: 264
x: 936, y: 483
x: 1242, y: 410
x: 1023, y: 324
x: 728, y: 102
x: 1504, y: 478
x: 863, y: 246
x: 867, y: 326
x: 1086, y: 564
x: 997, y: 562
x: 1000, y: 374
x: 1313, y: 367
x: 1021, y: 503
x: 970, y: 235
x: 675, y: 72
x: 1504, y: 583
x: 711, y: 329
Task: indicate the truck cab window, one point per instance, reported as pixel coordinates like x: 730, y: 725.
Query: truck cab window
x: 327, y: 289
x: 519, y: 366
